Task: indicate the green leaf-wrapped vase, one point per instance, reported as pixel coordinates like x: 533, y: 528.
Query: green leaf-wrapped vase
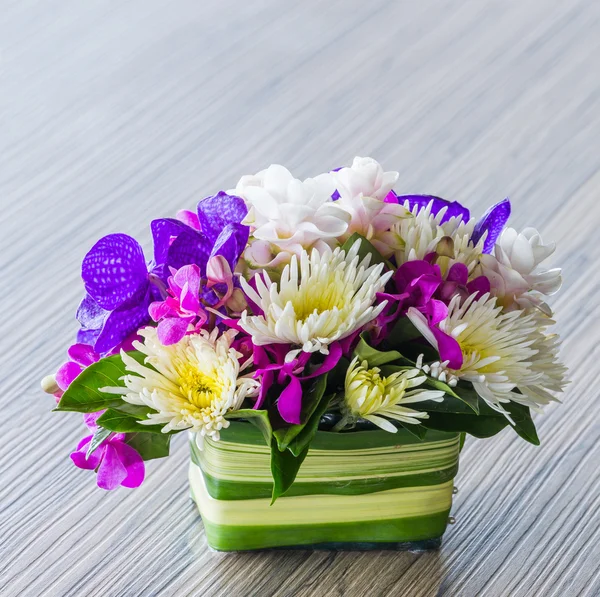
x: 354, y: 490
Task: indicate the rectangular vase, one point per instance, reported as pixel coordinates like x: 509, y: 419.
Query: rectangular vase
x: 354, y: 490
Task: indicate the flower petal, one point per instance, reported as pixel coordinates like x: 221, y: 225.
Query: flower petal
x: 172, y: 329
x: 79, y: 456
x: 133, y: 463
x: 216, y: 212
x: 290, y: 401
x: 114, y: 270
x: 112, y: 472
x: 492, y: 222
x: 454, y: 208
x: 67, y: 373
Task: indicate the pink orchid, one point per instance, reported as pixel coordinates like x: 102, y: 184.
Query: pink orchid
x: 115, y: 462
x: 219, y: 272
x: 182, y: 306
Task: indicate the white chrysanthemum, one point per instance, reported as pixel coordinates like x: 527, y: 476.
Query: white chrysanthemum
x: 376, y: 398
x: 506, y: 356
x: 419, y: 235
x: 192, y: 384
x: 514, y: 271
x: 362, y: 189
x: 323, y: 298
x: 291, y: 214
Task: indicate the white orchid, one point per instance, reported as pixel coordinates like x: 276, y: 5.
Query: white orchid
x: 362, y: 189
x: 514, y: 270
x: 291, y: 214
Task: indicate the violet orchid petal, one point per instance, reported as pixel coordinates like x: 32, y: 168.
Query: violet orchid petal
x: 120, y: 324
x: 83, y: 354
x: 164, y: 230
x: 172, y: 329
x: 133, y: 463
x: 88, y: 336
x: 189, y: 248
x: 114, y: 270
x: 67, y: 373
x: 111, y: 472
x: 448, y: 349
x: 216, y: 212
x: 231, y: 242
x: 492, y: 222
x: 289, y: 404
x: 90, y: 315
x: 454, y: 208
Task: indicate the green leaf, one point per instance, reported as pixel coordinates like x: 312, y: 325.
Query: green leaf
x: 284, y: 468
x: 306, y: 435
x: 417, y: 430
x: 476, y: 425
x: 99, y: 437
x: 138, y: 411
x: 84, y: 395
x: 150, y: 445
x: 120, y: 422
x: 310, y: 401
x: 524, y: 426
x: 259, y: 418
x: 403, y: 331
x: 366, y: 248
x: 374, y: 357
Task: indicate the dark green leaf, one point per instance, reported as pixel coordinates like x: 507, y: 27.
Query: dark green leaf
x: 284, y: 468
x: 366, y: 248
x: 306, y: 435
x: 416, y: 430
x: 84, y: 395
x: 120, y: 422
x: 374, y: 357
x: 99, y: 437
x: 150, y: 445
x: 476, y: 425
x: 137, y: 411
x: 524, y: 425
x: 259, y: 418
x: 310, y: 401
x: 403, y: 331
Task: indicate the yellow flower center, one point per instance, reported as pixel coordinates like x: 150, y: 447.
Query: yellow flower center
x: 326, y: 295
x: 200, y: 389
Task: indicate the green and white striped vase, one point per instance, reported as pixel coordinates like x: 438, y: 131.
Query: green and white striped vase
x: 355, y: 490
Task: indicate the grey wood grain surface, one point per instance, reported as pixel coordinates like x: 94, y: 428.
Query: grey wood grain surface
x: 113, y: 113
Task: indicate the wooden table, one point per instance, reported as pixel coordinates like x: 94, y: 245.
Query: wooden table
x: 114, y: 113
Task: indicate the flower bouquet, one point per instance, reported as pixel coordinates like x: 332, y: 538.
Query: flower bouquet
x: 326, y: 343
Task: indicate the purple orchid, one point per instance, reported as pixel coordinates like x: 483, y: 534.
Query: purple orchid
x: 116, y: 462
x: 453, y: 208
x: 182, y: 306
x: 120, y: 286
x: 288, y: 373
x: 420, y: 285
x: 492, y: 222
x: 119, y: 290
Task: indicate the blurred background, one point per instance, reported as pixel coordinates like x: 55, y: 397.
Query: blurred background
x: 114, y: 113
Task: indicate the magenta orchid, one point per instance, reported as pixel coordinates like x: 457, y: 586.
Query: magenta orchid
x: 117, y: 464
x: 181, y: 310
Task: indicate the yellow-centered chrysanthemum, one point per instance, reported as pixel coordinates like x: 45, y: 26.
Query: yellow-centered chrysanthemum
x: 506, y: 356
x: 372, y: 396
x: 320, y: 298
x: 192, y: 384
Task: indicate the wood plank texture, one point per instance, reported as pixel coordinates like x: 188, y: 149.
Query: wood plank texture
x: 113, y: 113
